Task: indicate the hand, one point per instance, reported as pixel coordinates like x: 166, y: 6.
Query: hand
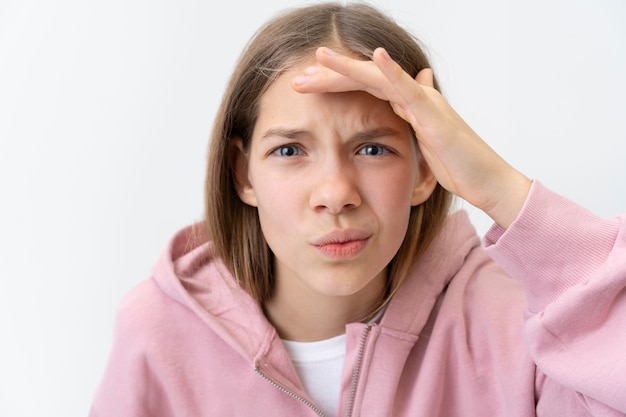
x: 460, y: 160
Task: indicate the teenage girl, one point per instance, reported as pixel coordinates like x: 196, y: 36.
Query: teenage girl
x: 331, y: 277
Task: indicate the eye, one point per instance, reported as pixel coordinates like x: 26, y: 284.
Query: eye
x: 287, y: 150
x: 373, y: 150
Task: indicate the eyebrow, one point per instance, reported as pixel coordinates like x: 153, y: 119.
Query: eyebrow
x: 368, y: 134
x: 371, y: 134
x: 285, y: 133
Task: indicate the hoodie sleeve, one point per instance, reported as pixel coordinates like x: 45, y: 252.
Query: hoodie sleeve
x: 572, y: 265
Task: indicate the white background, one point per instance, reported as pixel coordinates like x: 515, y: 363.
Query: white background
x: 105, y: 112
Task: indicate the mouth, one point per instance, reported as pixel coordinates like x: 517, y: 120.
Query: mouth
x: 342, y: 244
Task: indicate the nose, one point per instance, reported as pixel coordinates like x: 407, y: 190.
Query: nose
x: 334, y: 187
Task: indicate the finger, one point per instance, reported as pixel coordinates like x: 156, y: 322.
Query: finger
x: 317, y: 79
x: 425, y: 77
x: 356, y: 69
x: 412, y: 95
x: 392, y: 70
x: 363, y: 74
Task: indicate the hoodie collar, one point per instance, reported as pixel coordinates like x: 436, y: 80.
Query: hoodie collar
x: 412, y: 305
x: 190, y: 273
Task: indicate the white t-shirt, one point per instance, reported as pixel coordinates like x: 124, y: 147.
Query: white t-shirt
x: 319, y: 366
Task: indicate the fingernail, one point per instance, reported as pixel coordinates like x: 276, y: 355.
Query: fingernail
x: 301, y: 79
x: 329, y: 51
x: 314, y: 69
x: 384, y: 54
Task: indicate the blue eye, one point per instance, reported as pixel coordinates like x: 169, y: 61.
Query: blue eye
x: 373, y: 150
x: 287, y: 150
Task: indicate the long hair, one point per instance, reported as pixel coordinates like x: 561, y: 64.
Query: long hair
x: 287, y: 40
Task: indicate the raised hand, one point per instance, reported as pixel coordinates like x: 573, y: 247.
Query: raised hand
x: 461, y: 161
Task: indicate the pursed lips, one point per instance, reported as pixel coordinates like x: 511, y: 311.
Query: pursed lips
x: 342, y: 243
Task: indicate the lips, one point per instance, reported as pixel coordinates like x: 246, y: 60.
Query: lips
x: 342, y: 244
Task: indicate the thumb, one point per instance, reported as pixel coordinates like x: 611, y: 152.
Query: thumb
x: 425, y: 77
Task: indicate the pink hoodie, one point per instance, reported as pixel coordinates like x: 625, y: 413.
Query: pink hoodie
x: 460, y: 338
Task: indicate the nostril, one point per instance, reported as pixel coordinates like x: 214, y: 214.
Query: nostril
x: 335, y: 195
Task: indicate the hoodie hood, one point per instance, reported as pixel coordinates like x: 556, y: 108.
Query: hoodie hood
x: 190, y: 273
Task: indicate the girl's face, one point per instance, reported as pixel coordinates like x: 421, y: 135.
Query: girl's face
x: 333, y: 177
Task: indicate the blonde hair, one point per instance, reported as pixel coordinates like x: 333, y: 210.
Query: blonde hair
x: 286, y: 40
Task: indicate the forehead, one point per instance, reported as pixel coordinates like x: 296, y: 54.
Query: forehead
x: 281, y: 104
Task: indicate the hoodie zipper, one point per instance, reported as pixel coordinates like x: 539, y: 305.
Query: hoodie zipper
x: 292, y: 394
x: 357, y: 370
x: 353, y: 385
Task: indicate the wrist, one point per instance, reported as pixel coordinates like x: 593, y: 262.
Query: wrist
x: 509, y: 199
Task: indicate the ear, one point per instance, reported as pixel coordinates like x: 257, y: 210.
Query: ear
x: 425, y: 183
x: 240, y: 172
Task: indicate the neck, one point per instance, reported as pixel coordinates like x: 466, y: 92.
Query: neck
x: 309, y: 316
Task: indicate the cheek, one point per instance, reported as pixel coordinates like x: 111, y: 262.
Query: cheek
x: 278, y: 204
x: 392, y: 191
x: 274, y: 189
x: 391, y: 200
